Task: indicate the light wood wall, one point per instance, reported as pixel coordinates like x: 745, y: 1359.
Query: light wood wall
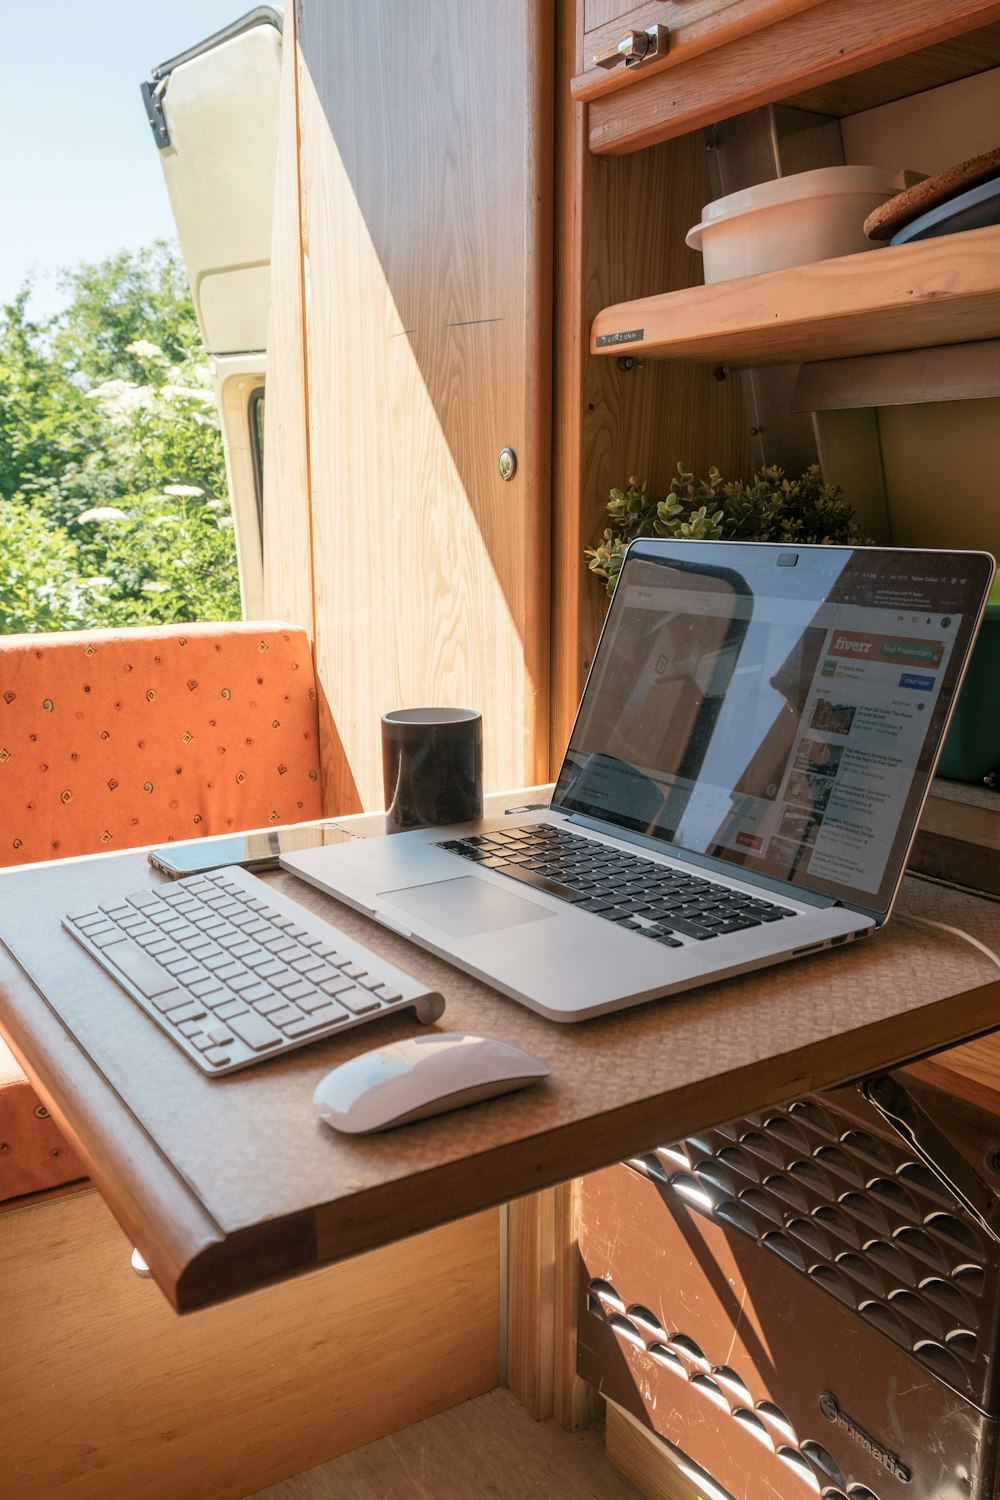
x: 106, y: 1392
x: 423, y: 295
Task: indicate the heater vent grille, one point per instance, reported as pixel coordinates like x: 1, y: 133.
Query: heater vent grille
x: 641, y: 1337
x: 854, y: 1212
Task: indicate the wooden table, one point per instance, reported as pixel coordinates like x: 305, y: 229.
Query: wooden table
x: 227, y: 1183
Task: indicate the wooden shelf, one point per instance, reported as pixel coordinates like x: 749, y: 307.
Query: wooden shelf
x: 941, y: 291
x: 959, y: 837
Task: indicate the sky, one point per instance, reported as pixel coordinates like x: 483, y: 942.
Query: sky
x: 79, y: 175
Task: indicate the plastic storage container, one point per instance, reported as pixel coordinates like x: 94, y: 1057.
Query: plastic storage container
x: 793, y: 220
x: 972, y: 747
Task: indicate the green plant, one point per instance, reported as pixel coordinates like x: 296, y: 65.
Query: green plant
x: 113, y: 503
x: 771, y: 508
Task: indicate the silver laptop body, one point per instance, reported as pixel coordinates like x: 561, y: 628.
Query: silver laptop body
x: 744, y: 779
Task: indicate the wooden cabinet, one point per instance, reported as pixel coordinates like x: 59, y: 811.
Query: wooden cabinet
x: 450, y: 238
x: 852, y: 323
x: 688, y: 29
x: 744, y: 56
x: 413, y: 346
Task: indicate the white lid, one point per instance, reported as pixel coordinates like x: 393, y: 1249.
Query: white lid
x: 820, y: 183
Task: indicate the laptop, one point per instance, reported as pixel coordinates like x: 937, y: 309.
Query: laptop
x: 742, y: 784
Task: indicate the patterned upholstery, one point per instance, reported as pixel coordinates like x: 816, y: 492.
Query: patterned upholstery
x: 113, y: 739
x: 34, y: 1154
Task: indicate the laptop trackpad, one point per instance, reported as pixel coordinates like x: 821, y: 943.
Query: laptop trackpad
x: 466, y: 906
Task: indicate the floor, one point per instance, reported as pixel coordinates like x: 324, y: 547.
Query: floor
x: 486, y: 1449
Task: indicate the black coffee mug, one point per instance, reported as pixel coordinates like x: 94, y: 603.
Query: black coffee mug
x: 432, y: 767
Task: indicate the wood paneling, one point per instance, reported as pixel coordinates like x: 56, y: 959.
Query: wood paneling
x: 531, y: 1332
x: 107, y: 1393
x: 541, y: 1307
x: 648, y: 1462
x: 621, y: 226
x: 288, y: 528
x: 695, y: 26
x: 901, y: 77
x: 425, y: 156
x: 801, y: 53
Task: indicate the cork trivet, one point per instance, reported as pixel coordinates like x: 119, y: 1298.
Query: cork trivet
x: 889, y: 217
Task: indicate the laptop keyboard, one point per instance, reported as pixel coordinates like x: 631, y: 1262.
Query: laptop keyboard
x: 666, y: 905
x: 235, y: 973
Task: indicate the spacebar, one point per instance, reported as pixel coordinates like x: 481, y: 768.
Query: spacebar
x: 540, y: 882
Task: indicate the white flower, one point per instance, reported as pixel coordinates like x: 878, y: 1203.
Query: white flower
x: 152, y: 587
x: 188, y: 393
x: 119, y: 398
x: 144, y: 349
x: 103, y: 513
x: 182, y: 490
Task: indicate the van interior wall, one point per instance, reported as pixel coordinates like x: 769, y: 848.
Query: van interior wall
x: 939, y: 458
x: 421, y: 302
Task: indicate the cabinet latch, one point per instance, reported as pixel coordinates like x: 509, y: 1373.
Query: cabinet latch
x: 634, y: 48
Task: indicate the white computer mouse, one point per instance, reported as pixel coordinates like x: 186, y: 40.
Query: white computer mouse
x: 419, y: 1077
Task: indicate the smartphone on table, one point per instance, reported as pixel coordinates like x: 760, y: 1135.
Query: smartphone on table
x: 251, y: 851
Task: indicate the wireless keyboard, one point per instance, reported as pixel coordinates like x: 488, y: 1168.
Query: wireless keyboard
x: 235, y: 973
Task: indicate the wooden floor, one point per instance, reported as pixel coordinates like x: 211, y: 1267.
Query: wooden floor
x: 487, y: 1448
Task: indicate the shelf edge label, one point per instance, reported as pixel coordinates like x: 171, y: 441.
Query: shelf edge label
x: 628, y: 336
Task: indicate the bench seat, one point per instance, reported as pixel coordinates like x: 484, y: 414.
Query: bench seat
x: 111, y: 739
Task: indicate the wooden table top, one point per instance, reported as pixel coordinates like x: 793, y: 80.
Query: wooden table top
x: 226, y: 1183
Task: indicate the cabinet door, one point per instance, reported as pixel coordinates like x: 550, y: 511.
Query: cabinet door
x: 748, y: 53
x: 424, y: 163
x: 692, y: 27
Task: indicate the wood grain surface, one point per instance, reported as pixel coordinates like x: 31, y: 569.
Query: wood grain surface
x: 936, y: 291
x: 695, y: 26
x: 425, y: 168
x: 225, y: 1183
x: 105, y: 1393
x: 656, y: 1469
x: 620, y: 226
x: 799, y: 53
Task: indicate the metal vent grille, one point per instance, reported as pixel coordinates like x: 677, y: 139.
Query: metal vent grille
x: 726, y: 1390
x: 859, y: 1216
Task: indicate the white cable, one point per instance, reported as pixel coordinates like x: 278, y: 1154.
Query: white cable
x: 955, y: 932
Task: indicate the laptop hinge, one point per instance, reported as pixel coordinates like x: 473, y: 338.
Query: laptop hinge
x: 898, y: 1108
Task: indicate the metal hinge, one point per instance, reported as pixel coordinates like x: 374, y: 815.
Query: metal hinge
x: 152, y: 98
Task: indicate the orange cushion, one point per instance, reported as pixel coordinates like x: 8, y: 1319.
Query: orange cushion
x: 109, y: 739
x: 33, y: 1153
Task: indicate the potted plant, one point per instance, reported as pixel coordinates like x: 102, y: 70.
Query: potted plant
x: 772, y: 508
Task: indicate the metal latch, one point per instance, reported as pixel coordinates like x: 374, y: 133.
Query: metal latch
x: 635, y: 47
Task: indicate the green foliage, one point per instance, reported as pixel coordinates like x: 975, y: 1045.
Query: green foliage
x: 769, y: 509
x: 123, y: 301
x: 40, y: 586
x: 113, y: 503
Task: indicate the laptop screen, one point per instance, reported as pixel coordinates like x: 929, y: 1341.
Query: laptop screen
x: 774, y: 708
